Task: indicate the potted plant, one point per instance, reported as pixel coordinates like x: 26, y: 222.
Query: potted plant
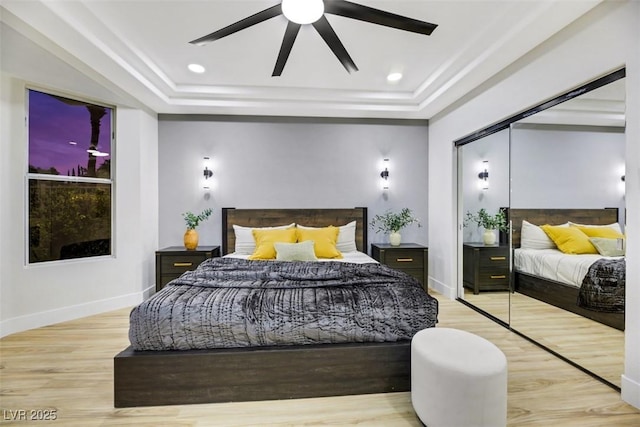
x: 489, y: 222
x: 192, y: 220
x: 393, y: 222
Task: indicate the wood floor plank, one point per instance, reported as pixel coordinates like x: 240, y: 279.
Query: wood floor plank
x: 69, y: 368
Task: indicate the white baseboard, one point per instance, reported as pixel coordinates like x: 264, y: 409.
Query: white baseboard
x: 442, y: 289
x: 49, y: 317
x: 631, y: 391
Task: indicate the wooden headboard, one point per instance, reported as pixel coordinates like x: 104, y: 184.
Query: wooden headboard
x: 308, y: 217
x: 556, y: 217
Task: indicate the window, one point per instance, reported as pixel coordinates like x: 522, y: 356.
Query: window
x: 69, y: 178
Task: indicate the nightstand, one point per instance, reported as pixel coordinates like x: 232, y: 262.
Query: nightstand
x: 408, y: 257
x: 171, y: 262
x: 485, y: 267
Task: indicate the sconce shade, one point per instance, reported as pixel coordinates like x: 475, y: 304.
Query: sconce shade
x: 207, y: 173
x: 484, y: 175
x: 385, y: 175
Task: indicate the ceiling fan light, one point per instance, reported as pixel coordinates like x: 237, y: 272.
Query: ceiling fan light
x: 303, y: 11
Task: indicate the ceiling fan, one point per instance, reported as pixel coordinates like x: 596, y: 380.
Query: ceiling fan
x: 303, y: 12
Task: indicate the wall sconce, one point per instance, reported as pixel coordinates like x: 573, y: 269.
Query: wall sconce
x: 207, y: 173
x: 385, y: 174
x: 484, y: 175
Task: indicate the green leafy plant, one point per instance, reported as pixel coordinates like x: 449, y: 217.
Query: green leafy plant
x: 393, y: 222
x: 484, y: 219
x: 193, y: 220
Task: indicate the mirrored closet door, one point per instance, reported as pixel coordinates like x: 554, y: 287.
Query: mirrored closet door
x: 562, y: 165
x: 483, y: 168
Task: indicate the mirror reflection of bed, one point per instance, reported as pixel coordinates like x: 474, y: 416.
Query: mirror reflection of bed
x: 569, y: 156
x: 549, y: 302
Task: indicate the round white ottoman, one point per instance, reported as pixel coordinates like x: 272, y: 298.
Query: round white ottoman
x: 458, y: 379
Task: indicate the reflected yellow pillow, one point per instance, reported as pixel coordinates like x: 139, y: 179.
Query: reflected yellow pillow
x: 570, y: 240
x: 266, y: 238
x: 324, y: 240
x: 606, y: 232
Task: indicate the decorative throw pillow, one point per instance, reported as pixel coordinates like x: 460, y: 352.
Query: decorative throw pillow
x: 346, y: 236
x: 265, y: 240
x: 245, y: 243
x: 606, y: 232
x: 615, y: 226
x: 324, y: 238
x: 302, y: 251
x: 608, y: 247
x: 533, y: 237
x: 570, y: 240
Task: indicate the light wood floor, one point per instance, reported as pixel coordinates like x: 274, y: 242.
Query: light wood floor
x: 596, y: 347
x: 69, y: 368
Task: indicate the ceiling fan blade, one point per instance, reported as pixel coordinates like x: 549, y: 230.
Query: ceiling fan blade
x: 377, y: 16
x: 290, y: 35
x: 240, y: 25
x: 331, y: 38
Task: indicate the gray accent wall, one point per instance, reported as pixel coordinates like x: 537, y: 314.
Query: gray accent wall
x: 263, y: 162
x: 567, y: 167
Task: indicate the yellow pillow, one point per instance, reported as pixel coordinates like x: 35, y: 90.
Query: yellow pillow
x: 570, y: 240
x: 606, y: 232
x: 324, y: 240
x: 266, y: 238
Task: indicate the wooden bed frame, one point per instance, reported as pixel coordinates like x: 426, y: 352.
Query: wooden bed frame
x: 149, y: 378
x: 549, y: 291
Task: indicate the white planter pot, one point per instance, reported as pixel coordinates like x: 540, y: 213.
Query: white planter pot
x: 489, y: 237
x: 395, y: 239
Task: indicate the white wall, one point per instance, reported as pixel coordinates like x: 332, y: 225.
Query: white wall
x: 289, y: 163
x: 37, y: 295
x: 604, y: 39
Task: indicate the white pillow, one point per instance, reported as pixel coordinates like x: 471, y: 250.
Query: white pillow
x: 346, y: 236
x: 245, y: 243
x: 534, y: 237
x: 615, y: 226
x: 303, y: 251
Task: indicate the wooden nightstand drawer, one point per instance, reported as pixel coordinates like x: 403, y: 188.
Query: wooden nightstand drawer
x: 404, y: 259
x: 171, y: 262
x: 493, y: 258
x: 177, y: 264
x: 493, y: 276
x: 408, y: 257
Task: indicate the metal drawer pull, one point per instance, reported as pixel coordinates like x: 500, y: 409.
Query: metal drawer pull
x: 498, y: 258
x: 182, y: 264
x: 404, y: 259
x: 502, y: 276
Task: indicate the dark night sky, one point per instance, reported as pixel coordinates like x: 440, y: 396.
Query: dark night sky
x: 53, y: 124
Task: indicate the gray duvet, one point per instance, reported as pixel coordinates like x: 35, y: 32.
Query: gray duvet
x: 229, y: 302
x: 603, y: 287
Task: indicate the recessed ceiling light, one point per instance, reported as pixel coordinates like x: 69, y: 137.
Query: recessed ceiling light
x: 394, y: 77
x: 196, y: 68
